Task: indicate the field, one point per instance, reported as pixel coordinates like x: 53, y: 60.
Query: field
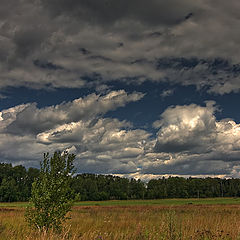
x: 135, y: 220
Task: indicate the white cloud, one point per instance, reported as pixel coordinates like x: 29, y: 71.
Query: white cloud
x: 184, y: 128
x: 9, y: 115
x: 32, y: 120
x: 101, y: 144
x: 191, y: 141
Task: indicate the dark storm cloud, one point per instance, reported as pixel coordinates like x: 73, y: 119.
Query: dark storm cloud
x: 109, y: 12
x: 65, y: 43
x: 46, y: 65
x: 216, y: 73
x: 216, y: 162
x: 27, y: 40
x: 192, y: 168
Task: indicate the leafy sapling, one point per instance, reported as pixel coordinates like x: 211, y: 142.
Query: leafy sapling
x: 51, y: 196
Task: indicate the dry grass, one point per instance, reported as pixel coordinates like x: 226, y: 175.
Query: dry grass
x: 189, y: 222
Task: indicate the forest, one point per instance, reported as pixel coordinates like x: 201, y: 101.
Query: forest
x: 16, y: 183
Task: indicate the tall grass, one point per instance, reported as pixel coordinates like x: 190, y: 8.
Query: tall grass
x: 188, y: 222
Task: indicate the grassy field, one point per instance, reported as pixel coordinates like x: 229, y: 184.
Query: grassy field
x: 165, y: 202
x: 168, y: 202
x: 186, y: 219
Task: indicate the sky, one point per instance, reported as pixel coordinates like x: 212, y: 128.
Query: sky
x: 135, y: 88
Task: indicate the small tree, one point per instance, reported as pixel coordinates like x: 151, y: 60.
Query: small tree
x: 51, y: 195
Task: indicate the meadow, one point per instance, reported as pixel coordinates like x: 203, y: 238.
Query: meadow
x: 170, y: 219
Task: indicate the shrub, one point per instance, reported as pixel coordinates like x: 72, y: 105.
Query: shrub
x: 51, y: 195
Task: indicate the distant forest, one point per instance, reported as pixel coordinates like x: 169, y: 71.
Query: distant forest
x: 16, y: 182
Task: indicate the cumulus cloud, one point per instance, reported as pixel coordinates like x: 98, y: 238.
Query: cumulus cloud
x: 72, y: 42
x: 104, y: 145
x: 190, y: 140
x: 29, y: 119
x: 184, y: 128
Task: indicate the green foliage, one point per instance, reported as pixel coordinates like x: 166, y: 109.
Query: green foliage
x: 96, y: 187
x: 52, y: 197
x: 16, y: 182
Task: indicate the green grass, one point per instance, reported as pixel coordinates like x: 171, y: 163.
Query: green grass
x: 166, y: 202
x: 14, y: 204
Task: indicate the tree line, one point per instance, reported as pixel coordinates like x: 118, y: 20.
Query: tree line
x: 16, y: 184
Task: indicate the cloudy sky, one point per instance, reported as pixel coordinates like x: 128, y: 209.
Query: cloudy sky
x: 135, y: 88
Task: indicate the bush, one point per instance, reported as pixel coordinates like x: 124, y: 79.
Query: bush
x: 51, y: 196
